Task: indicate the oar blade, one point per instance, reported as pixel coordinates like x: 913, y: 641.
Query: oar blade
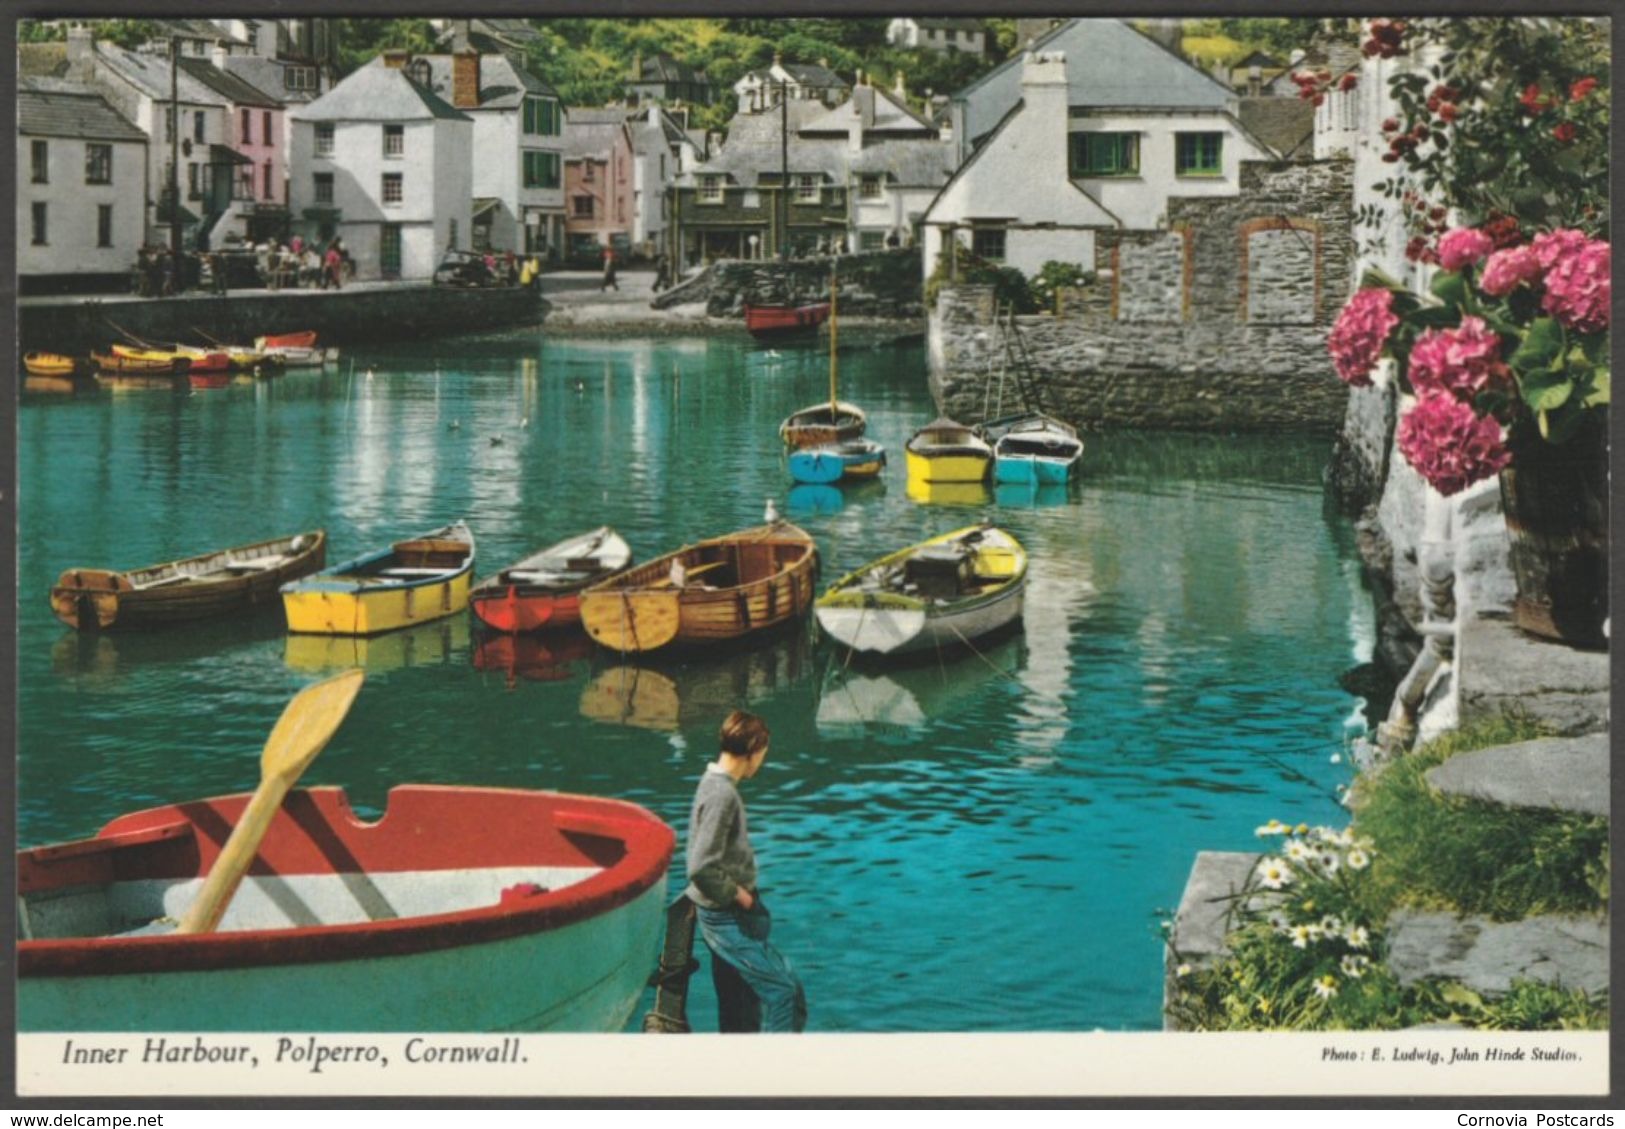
x: 307, y: 724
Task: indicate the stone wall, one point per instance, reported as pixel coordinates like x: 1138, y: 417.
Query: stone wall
x: 875, y: 284
x: 339, y: 317
x: 1217, y: 323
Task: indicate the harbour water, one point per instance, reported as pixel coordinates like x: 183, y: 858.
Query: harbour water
x: 973, y: 843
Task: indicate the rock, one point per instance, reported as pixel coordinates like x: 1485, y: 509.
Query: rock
x: 1502, y: 670
x: 1205, y: 917
x: 1562, y: 773
x: 1571, y: 952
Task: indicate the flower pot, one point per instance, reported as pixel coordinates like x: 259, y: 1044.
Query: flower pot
x: 1556, y: 503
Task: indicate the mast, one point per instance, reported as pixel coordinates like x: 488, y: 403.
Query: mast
x: 781, y: 206
x: 833, y: 286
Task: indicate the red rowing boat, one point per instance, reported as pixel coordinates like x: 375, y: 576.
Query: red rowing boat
x: 774, y: 323
x: 544, y: 589
x: 302, y: 340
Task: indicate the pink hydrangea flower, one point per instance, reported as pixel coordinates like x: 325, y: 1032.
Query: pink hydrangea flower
x: 1555, y: 246
x: 1462, y: 247
x: 1508, y: 269
x: 1461, y: 362
x: 1578, y: 289
x: 1356, y: 340
x: 1450, y: 445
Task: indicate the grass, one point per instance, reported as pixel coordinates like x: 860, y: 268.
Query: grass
x: 1309, y: 956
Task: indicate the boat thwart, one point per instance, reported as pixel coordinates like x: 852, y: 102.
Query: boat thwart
x: 412, y: 581
x: 544, y: 589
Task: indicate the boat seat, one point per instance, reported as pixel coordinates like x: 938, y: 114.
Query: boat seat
x: 261, y: 565
x: 411, y: 572
x: 582, y: 564
x: 528, y: 576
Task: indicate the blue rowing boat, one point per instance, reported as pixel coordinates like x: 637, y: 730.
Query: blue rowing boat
x: 831, y: 462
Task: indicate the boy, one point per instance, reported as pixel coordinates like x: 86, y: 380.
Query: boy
x: 722, y: 876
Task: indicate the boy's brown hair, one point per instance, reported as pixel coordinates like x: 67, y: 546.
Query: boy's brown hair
x: 743, y: 734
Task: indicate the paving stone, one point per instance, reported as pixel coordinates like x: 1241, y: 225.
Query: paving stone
x: 1204, y: 916
x: 1503, y: 670
x: 1564, y: 773
x: 1487, y: 956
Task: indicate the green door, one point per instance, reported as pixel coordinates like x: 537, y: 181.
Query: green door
x: 389, y: 251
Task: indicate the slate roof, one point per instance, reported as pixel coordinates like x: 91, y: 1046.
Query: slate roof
x: 503, y: 81
x: 236, y: 90
x: 807, y: 74
x: 1109, y: 64
x: 891, y: 116
x: 753, y: 148
x: 268, y: 75
x: 491, y: 35
x: 591, y: 133
x: 48, y: 107
x: 664, y: 68
x: 197, y: 29
x: 1281, y: 123
x: 150, y: 75
x: 948, y: 24
x: 378, y: 93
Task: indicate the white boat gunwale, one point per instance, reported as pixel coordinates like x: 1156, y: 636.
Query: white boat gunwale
x: 341, y: 578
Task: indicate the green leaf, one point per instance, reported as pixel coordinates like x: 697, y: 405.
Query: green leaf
x: 1434, y: 317
x: 1544, y: 390
x: 1595, y: 347
x: 1461, y: 995
x: 1594, y: 392
x: 1559, y: 427
x: 1448, y: 286
x: 1543, y: 342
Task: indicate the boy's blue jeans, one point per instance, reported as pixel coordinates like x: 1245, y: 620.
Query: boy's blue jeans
x: 740, y: 938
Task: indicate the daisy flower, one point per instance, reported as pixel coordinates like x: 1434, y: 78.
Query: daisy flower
x: 1273, y: 827
x: 1357, y: 859
x: 1301, y: 935
x: 1274, y: 873
x: 1328, y: 861
x: 1297, y: 850
x: 1326, y: 986
x: 1358, y: 936
x: 1331, y: 925
x: 1354, y: 965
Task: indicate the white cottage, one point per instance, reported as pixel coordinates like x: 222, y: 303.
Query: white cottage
x: 938, y: 34
x: 386, y: 164
x: 1083, y: 144
x: 81, y: 184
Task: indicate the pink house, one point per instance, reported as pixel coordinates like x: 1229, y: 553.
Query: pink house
x: 256, y: 130
x: 599, y: 194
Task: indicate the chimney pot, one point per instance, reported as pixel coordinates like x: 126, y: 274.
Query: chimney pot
x: 395, y: 58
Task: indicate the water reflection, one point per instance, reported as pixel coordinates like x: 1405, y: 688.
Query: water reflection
x: 949, y: 493
x: 91, y: 657
x: 550, y: 656
x: 697, y: 693
x: 427, y: 644
x: 910, y: 696
x: 807, y: 499
x: 1031, y: 495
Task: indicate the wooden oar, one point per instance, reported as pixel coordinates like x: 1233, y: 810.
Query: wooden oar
x: 300, y: 733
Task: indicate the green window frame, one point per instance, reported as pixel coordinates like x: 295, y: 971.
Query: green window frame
x: 1199, y: 154
x: 1104, y: 154
x: 542, y: 117
x: 541, y: 169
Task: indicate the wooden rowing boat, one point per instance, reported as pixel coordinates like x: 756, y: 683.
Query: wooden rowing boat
x: 213, y: 584
x: 1033, y: 449
x: 300, y: 356
x: 460, y: 909
x: 782, y: 322
x: 544, y: 589
x: 49, y: 364
x: 943, y: 592
x: 305, y: 339
x: 116, y: 364
x: 946, y: 451
x: 833, y: 420
x: 719, y: 589
x: 198, y: 360
x: 412, y: 581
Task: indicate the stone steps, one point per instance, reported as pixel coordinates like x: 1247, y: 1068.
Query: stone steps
x: 1487, y: 956
x: 1568, y: 774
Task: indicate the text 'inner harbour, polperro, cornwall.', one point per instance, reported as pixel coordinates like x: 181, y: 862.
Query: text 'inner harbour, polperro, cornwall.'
x: 829, y: 525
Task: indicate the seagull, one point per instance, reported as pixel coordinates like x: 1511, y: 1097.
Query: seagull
x: 773, y: 354
x: 581, y: 386
x: 455, y: 425
x: 524, y: 423
x: 496, y: 440
x: 771, y: 514
x: 369, y: 374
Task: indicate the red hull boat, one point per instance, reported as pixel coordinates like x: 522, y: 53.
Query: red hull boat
x: 544, y: 589
x: 774, y: 323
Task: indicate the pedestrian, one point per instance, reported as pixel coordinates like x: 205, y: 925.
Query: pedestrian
x: 609, y: 272
x: 172, y: 273
x: 662, y: 273
x: 510, y: 268
x: 722, y: 877
x: 296, y: 244
x: 334, y: 264
x: 217, y: 272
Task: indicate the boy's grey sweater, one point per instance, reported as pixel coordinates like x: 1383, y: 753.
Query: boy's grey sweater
x: 719, y: 856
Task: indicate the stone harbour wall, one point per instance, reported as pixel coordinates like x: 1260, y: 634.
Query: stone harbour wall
x: 1218, y: 322
x: 885, y: 284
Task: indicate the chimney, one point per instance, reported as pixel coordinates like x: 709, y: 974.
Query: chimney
x: 1044, y: 92
x: 460, y: 30
x: 465, y: 80
x: 1169, y: 33
x: 218, y: 55
x: 395, y: 58
x: 863, y: 116
x: 1255, y: 80
x: 898, y: 88
x: 81, y: 46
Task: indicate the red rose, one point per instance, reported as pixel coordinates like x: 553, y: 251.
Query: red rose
x: 1564, y: 132
x: 1349, y: 82
x: 1532, y: 101
x: 1447, y: 112
x: 1389, y: 125
x: 1319, y: 99
x: 1390, y: 158
x: 1581, y: 88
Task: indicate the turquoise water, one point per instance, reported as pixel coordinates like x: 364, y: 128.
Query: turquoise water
x: 982, y: 843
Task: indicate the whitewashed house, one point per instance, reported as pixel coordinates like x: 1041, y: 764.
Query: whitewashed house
x: 518, y: 173
x: 1099, y: 134
x: 758, y: 90
x: 81, y: 187
x: 662, y: 150
x: 938, y: 34
x: 384, y: 163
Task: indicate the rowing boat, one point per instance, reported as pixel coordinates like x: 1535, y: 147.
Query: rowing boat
x: 779, y: 323
x: 1033, y: 449
x: 832, y: 462
x: 544, y: 589
x: 459, y: 909
x: 720, y: 589
x: 412, y: 581
x: 116, y: 364
x: 305, y: 339
x: 198, y: 360
x: 832, y: 420
x: 49, y: 364
x: 942, y: 592
x: 946, y: 451
x: 217, y: 583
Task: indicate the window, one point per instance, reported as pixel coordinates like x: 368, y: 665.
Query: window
x: 542, y: 117
x: 169, y: 123
x: 541, y: 169
x: 248, y: 127
x: 710, y: 190
x: 324, y: 188
x: 871, y: 240
x: 300, y: 78
x: 98, y: 163
x: 42, y: 161
x: 581, y: 207
x: 869, y: 188
x: 324, y: 139
x: 988, y: 243
x: 394, y: 140
x: 265, y: 127
x: 39, y: 223
x: 392, y: 188
x: 451, y: 234
x: 197, y: 125
x: 104, y: 225
x: 270, y: 189
x: 1105, y: 154
x: 194, y: 182
x: 806, y: 188
x: 1199, y: 154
